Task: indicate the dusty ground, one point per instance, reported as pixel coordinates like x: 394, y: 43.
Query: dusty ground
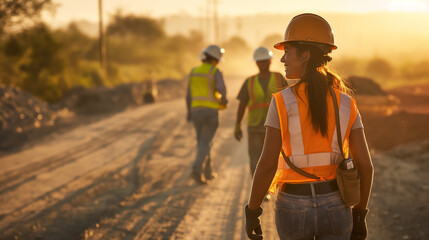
x: 127, y: 177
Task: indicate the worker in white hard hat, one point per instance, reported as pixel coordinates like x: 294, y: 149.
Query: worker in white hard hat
x: 255, y: 95
x: 315, y: 153
x: 206, y: 95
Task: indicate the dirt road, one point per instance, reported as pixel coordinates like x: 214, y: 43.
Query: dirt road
x: 128, y: 177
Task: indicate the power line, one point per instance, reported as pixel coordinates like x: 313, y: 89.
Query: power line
x: 102, y: 38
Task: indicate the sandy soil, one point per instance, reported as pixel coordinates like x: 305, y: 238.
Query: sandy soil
x: 127, y: 177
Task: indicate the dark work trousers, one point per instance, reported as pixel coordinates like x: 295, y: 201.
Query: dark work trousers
x: 256, y: 143
x: 206, y: 124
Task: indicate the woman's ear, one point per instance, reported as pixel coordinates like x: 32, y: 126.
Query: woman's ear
x: 305, y: 56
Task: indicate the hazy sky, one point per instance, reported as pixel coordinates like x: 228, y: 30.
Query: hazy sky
x: 88, y: 9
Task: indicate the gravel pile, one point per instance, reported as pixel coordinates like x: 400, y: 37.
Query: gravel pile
x: 21, y: 111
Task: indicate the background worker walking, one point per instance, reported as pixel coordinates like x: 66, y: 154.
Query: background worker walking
x: 206, y: 94
x: 316, y: 125
x: 255, y: 94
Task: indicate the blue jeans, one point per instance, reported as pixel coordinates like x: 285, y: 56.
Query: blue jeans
x: 320, y: 217
x: 205, y: 123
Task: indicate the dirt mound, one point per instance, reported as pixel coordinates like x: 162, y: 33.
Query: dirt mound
x: 386, y: 132
x: 21, y: 110
x: 365, y: 86
x: 414, y: 99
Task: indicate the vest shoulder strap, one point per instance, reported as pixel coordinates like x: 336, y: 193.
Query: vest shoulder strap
x: 252, y: 80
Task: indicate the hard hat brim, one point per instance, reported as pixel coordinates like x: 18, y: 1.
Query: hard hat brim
x: 281, y: 45
x: 262, y: 59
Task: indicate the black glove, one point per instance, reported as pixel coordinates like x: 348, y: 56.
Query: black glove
x: 189, y: 117
x: 253, y: 223
x: 238, y: 134
x: 359, y: 231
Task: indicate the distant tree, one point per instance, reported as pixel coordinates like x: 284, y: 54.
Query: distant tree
x: 41, y: 64
x: 237, y: 56
x: 379, y: 67
x: 270, y: 40
x: 15, y: 11
x: 13, y: 47
x: 139, y: 26
x: 75, y: 44
x: 347, y: 66
x: 236, y: 45
x: 415, y: 70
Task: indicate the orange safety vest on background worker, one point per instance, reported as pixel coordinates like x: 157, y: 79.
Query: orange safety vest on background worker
x: 259, y: 101
x: 305, y: 147
x: 202, y: 87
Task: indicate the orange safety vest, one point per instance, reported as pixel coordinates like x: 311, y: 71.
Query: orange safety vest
x: 305, y: 147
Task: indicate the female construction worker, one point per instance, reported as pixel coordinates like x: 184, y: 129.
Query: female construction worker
x: 255, y: 94
x: 301, y: 121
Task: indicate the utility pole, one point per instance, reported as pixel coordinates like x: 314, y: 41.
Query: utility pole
x: 102, y: 38
x: 201, y: 19
x: 216, y: 21
x: 208, y: 26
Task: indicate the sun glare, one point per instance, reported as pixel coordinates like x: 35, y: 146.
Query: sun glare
x: 407, y: 6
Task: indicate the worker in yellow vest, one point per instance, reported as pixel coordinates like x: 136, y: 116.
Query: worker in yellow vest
x: 255, y: 95
x: 206, y: 95
x: 315, y: 124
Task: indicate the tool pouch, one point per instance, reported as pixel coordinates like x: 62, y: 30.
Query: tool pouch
x: 348, y: 184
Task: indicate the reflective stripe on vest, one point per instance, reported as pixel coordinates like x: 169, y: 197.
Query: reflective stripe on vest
x: 306, y: 148
x: 259, y: 101
x: 202, y: 86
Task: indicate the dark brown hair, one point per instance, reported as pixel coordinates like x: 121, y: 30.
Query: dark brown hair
x: 318, y: 78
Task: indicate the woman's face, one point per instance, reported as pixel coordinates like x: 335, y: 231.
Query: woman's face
x: 294, y: 64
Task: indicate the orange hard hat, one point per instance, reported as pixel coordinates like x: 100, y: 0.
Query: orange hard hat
x: 309, y: 29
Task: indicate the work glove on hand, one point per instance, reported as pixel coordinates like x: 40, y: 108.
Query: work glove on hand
x: 253, y: 223
x: 238, y: 134
x: 359, y: 231
x: 189, y: 117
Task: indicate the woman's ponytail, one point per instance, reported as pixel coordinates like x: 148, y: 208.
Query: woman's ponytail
x: 318, y: 78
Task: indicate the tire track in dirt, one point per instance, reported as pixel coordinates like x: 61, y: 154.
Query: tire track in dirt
x: 165, y: 182
x: 158, y: 208
x: 184, y: 210
x: 45, y: 174
x: 12, y: 179
x: 219, y: 213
